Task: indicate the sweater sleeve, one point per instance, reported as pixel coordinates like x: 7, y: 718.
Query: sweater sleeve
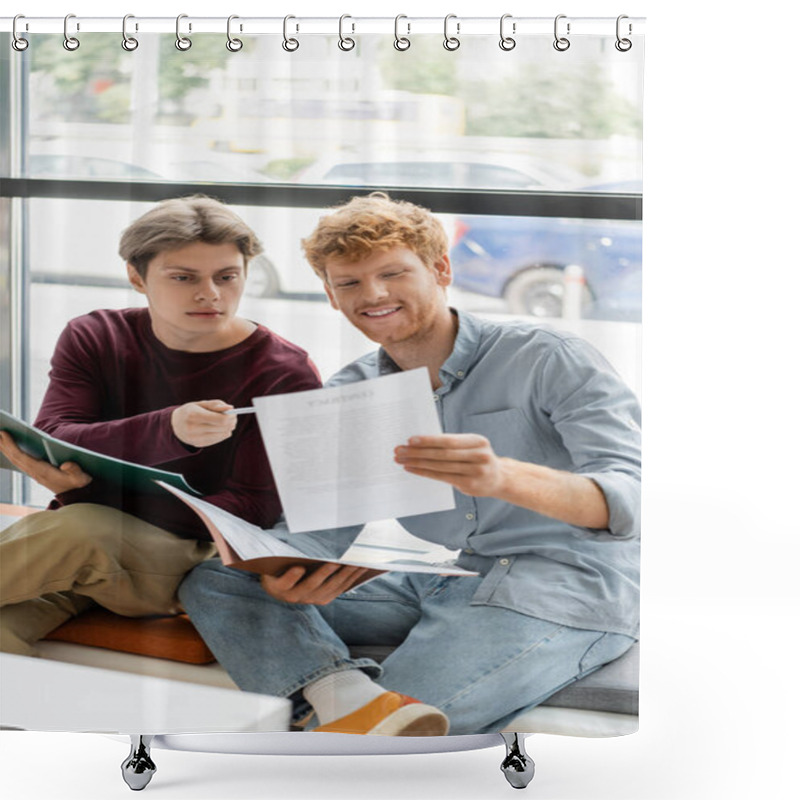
x: 74, y: 408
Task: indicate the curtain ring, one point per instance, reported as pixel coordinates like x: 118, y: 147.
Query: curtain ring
x: 561, y: 43
x: 183, y: 43
x: 288, y: 44
x: 507, y: 42
x: 17, y: 42
x: 129, y: 43
x: 623, y: 45
x: 401, y: 42
x: 234, y: 45
x: 346, y: 43
x: 451, y: 42
x: 70, y: 42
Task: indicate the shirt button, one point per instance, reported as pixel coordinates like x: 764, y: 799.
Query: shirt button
x: 460, y: 373
x: 470, y: 516
x: 469, y: 552
x: 436, y: 398
x: 504, y: 562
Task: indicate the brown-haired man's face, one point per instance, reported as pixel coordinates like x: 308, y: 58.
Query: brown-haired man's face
x: 193, y: 294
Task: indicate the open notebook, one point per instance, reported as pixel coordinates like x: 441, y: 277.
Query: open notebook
x: 381, y: 546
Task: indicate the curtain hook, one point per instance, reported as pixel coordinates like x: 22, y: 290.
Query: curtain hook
x: 507, y: 42
x: 401, y: 42
x: 183, y: 43
x: 17, y: 42
x: 451, y: 42
x: 345, y: 42
x: 70, y: 42
x: 288, y: 44
x: 234, y: 45
x: 623, y: 45
x: 561, y: 43
x: 129, y: 43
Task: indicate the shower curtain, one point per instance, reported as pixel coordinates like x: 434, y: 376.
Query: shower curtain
x: 523, y: 137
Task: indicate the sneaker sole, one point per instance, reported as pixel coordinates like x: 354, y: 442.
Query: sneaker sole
x: 413, y: 720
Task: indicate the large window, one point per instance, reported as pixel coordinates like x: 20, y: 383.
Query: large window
x: 532, y: 161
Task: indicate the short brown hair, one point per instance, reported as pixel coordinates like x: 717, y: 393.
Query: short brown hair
x: 375, y: 222
x: 180, y: 221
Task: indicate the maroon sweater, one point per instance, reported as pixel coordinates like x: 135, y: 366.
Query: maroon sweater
x: 113, y: 387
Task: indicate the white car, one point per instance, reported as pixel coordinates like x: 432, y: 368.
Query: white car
x: 446, y: 170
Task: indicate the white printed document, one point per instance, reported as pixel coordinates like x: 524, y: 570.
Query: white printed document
x: 332, y: 451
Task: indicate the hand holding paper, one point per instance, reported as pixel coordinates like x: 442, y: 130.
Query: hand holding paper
x: 332, y: 451
x: 464, y: 460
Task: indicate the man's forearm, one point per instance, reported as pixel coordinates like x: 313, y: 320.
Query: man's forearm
x: 565, y: 496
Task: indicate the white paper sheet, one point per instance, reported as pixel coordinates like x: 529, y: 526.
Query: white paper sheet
x: 332, y: 451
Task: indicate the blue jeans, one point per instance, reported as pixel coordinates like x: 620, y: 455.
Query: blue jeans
x: 481, y: 665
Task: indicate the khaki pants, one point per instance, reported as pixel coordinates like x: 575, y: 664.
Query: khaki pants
x: 55, y: 564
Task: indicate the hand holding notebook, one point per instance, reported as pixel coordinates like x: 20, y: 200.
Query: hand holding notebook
x: 58, y: 479
x: 56, y: 452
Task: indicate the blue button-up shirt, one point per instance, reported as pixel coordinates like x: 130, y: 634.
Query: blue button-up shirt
x: 546, y: 397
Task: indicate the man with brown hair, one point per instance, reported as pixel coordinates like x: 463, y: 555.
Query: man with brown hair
x: 541, y: 444
x: 131, y: 384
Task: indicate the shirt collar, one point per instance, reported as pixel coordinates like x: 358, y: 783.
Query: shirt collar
x: 459, y: 361
x: 386, y: 366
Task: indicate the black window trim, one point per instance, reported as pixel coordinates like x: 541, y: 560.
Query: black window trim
x: 577, y: 205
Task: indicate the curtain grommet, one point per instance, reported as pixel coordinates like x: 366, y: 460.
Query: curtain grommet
x: 289, y: 43
x: 561, y: 43
x: 451, y: 43
x: 346, y: 43
x: 401, y: 43
x: 18, y: 42
x: 71, y: 43
x: 623, y: 44
x: 129, y: 43
x: 182, y: 43
x: 234, y: 45
x: 507, y: 43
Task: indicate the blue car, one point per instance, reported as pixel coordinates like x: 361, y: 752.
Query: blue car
x: 523, y: 261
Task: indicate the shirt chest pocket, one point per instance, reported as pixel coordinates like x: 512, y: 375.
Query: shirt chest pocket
x: 510, y: 434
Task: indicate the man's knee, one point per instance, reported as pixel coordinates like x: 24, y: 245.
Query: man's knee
x: 198, y: 582
x: 206, y: 582
x: 75, y: 531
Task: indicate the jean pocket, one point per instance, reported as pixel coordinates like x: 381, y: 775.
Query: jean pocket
x: 606, y: 648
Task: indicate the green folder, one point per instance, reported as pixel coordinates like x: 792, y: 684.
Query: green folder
x: 112, y: 470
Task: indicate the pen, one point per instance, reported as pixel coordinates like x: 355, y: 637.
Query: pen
x: 237, y: 411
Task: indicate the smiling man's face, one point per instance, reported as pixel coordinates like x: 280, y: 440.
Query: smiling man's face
x: 391, y: 296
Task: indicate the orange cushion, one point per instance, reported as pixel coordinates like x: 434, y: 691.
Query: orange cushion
x: 174, y: 638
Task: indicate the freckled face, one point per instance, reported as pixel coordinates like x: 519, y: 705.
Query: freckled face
x: 193, y: 294
x: 391, y: 296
